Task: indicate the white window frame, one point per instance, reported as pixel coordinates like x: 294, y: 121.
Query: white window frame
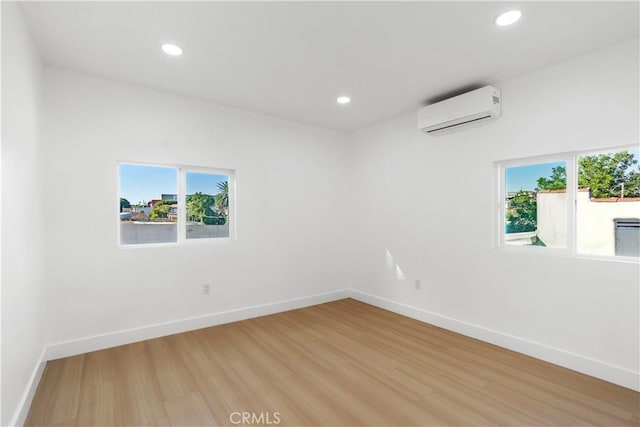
x: 571, y: 159
x: 181, y: 222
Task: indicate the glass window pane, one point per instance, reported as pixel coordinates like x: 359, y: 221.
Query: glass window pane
x: 207, y: 202
x: 148, y: 204
x: 536, y: 205
x: 608, y: 204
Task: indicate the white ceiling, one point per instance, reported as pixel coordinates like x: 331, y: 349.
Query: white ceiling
x: 292, y: 59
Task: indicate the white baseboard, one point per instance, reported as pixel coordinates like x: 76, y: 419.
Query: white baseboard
x: 20, y: 416
x: 128, y: 336
x: 576, y: 362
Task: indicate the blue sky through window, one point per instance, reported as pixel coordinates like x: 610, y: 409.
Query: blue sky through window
x: 526, y: 177
x: 141, y: 183
x: 205, y: 183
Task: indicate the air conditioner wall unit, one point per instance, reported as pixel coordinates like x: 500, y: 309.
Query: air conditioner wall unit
x: 460, y: 111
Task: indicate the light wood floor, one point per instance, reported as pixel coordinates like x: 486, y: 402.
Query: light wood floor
x: 343, y: 363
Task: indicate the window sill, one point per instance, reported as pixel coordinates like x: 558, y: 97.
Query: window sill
x: 563, y: 253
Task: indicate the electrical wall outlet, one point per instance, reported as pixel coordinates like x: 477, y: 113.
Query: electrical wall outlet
x: 206, y: 289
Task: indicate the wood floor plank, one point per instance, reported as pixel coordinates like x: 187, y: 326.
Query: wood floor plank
x: 40, y: 414
x: 65, y: 404
x: 139, y: 388
x: 343, y: 363
x: 189, y: 410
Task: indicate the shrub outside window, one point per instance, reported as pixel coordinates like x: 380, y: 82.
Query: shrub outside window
x: 207, y: 205
x: 536, y: 205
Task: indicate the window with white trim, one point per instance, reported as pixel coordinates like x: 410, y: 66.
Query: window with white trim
x: 585, y: 203
x: 174, y: 204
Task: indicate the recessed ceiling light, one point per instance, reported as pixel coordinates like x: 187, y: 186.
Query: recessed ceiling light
x: 343, y: 100
x: 508, y: 18
x: 171, y: 49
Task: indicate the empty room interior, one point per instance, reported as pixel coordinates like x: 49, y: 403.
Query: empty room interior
x: 320, y: 213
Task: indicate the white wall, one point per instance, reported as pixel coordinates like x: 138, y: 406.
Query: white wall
x: 290, y: 213
x: 430, y: 202
x: 23, y: 195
